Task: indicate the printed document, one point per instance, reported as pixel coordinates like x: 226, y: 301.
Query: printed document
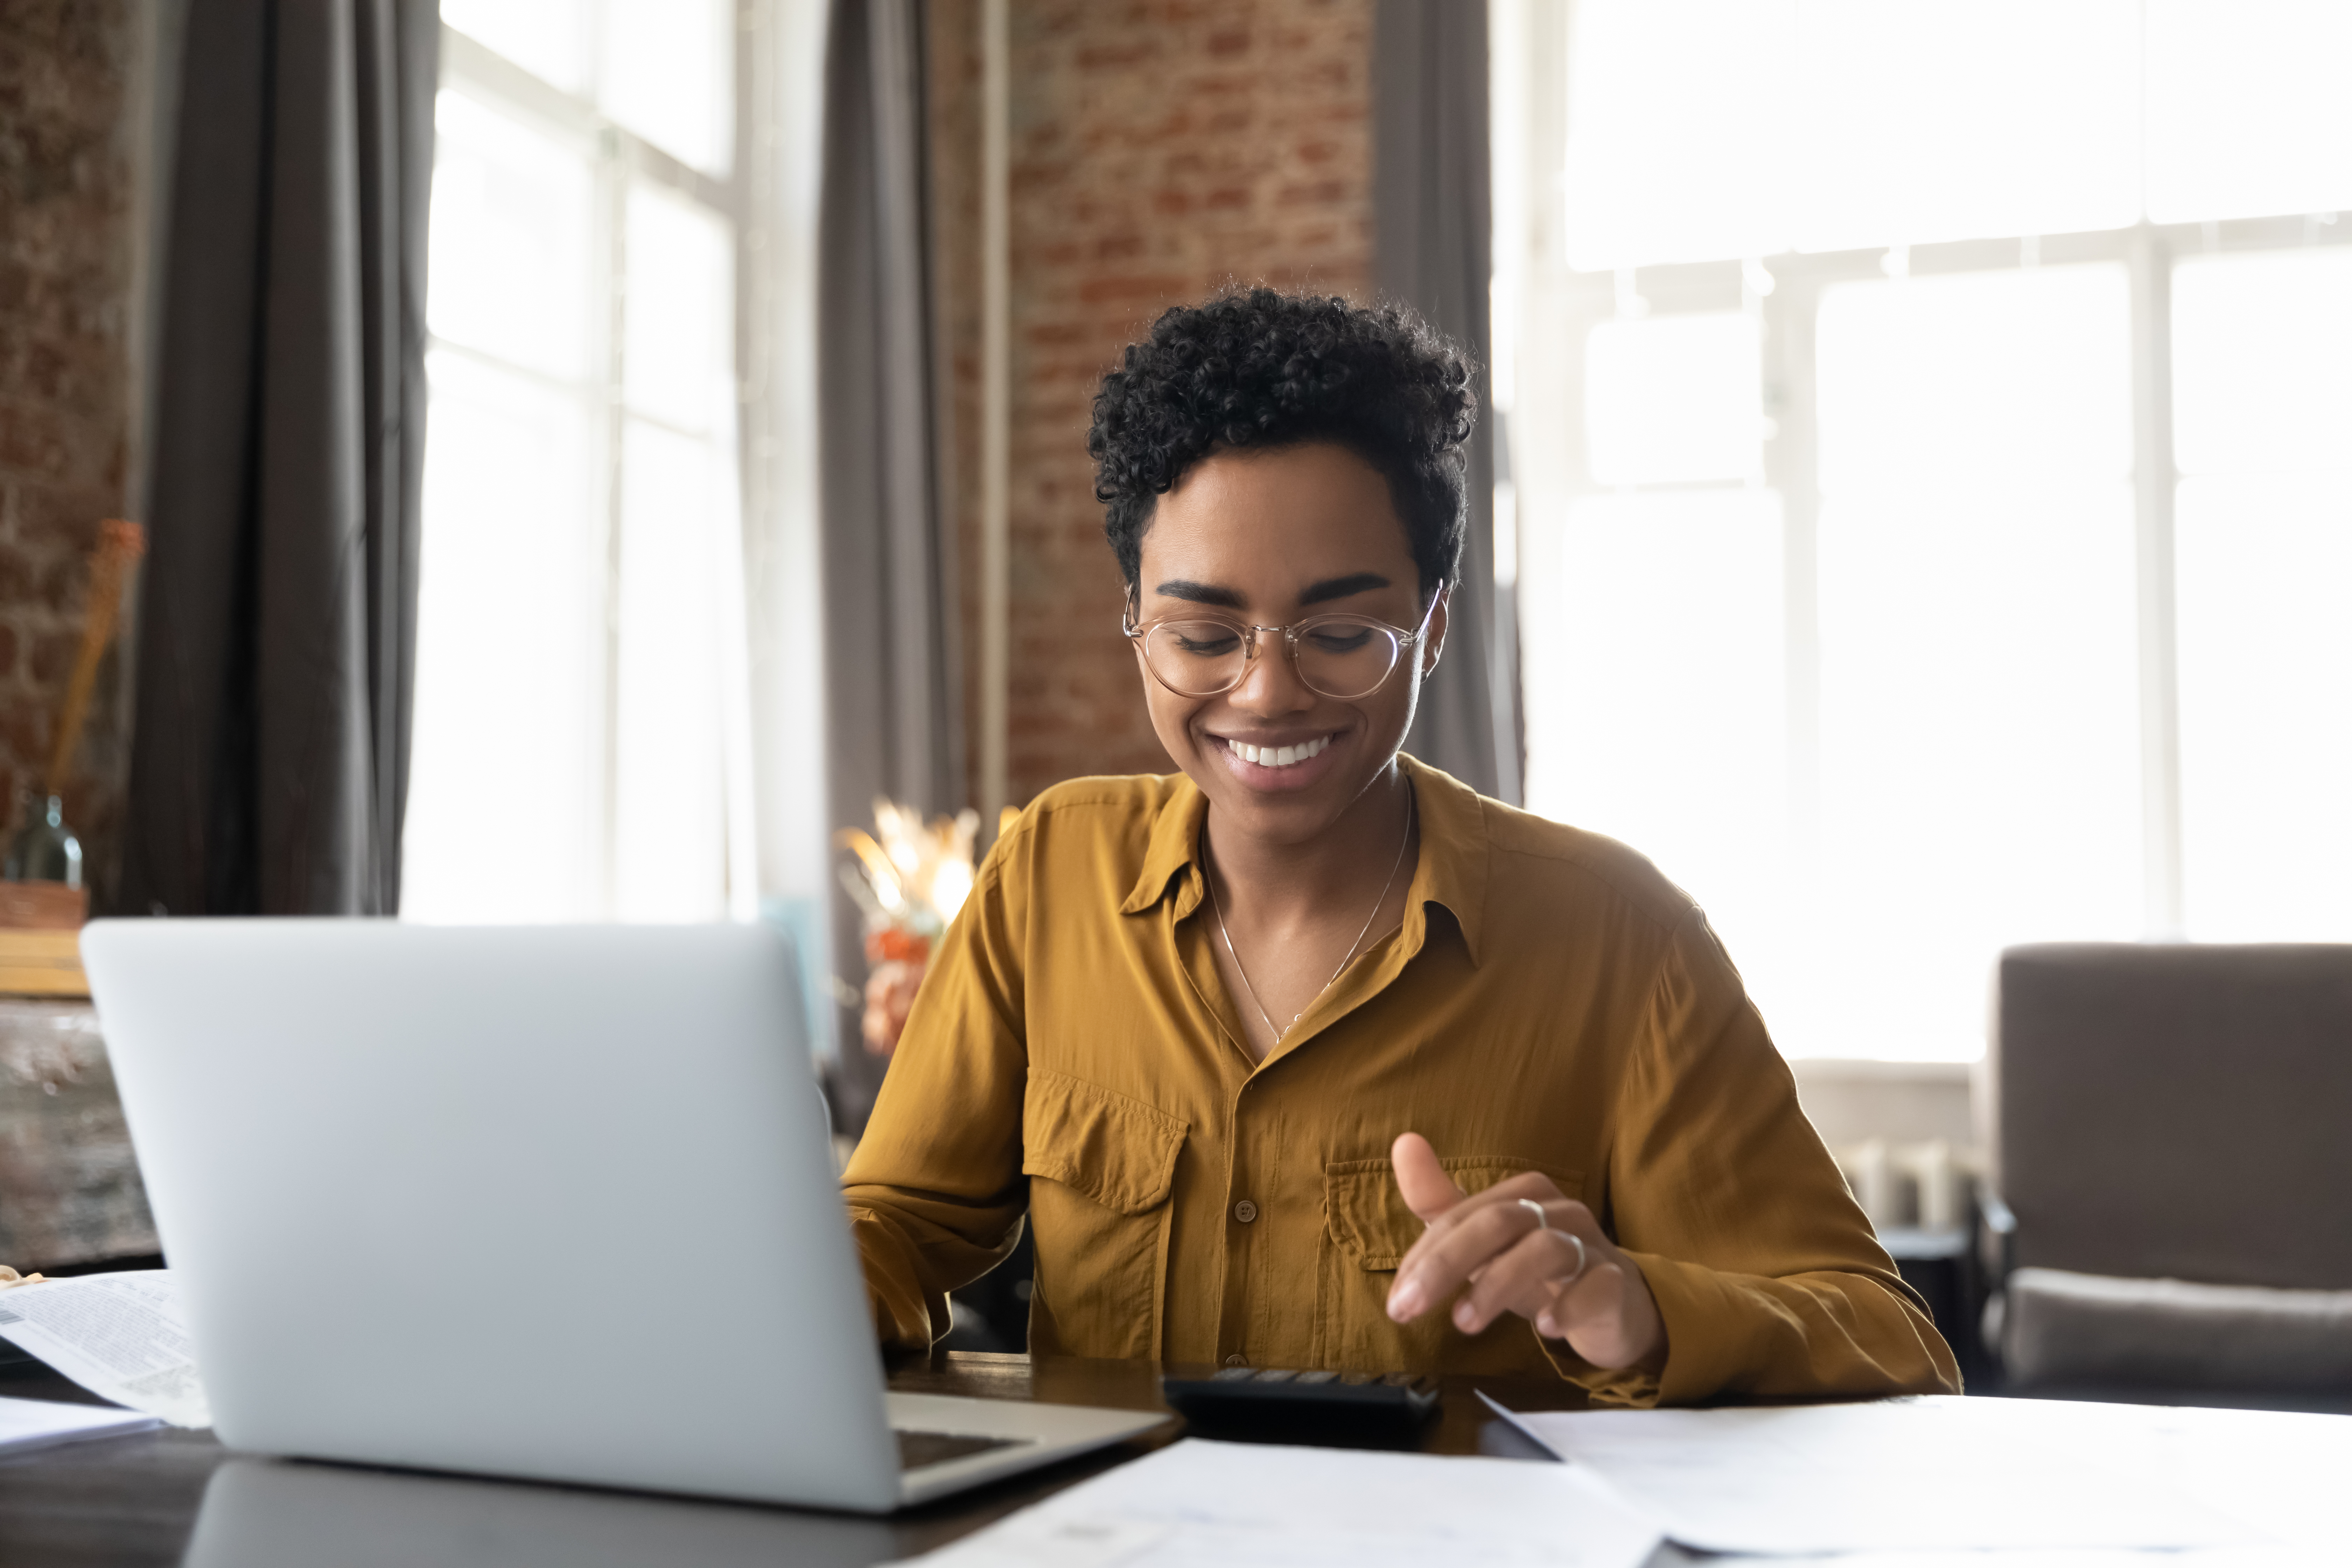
x: 1198, y: 1504
x: 118, y: 1336
x: 1938, y: 1473
x: 30, y: 1424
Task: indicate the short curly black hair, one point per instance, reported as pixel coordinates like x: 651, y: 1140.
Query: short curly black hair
x: 1261, y: 368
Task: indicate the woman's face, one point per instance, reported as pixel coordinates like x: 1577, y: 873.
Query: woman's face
x: 1271, y: 537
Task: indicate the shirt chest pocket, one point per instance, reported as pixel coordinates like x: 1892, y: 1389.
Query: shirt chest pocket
x: 1101, y: 1168
x: 1367, y: 1232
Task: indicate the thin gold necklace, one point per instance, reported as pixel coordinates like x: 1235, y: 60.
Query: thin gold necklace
x: 1411, y: 810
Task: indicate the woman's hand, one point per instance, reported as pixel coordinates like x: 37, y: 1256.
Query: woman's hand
x: 1604, y: 1311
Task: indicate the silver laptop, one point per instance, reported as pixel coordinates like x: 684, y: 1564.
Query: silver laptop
x: 545, y: 1202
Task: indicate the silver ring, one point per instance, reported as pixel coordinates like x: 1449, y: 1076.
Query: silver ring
x: 1543, y: 1221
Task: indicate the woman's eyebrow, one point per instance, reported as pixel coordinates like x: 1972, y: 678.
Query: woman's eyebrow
x: 1342, y: 587
x: 1200, y: 593
x: 1316, y: 594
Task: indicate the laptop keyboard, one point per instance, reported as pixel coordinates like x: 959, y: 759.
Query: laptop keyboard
x: 917, y: 1450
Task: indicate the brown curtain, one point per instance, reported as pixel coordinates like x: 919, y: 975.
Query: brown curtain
x: 1433, y: 249
x: 270, y: 765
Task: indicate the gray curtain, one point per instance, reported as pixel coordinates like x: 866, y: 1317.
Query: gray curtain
x: 893, y: 721
x: 1433, y: 244
x: 276, y: 640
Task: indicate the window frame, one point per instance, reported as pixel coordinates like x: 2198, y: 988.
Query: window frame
x: 618, y: 158
x: 1540, y: 300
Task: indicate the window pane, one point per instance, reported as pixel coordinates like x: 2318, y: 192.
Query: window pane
x: 548, y: 39
x: 669, y: 807
x: 2247, y: 112
x: 1979, y: 763
x: 1673, y: 398
x: 1964, y: 119
x: 678, y: 347
x: 1998, y: 380
x: 506, y: 793
x: 669, y: 75
x: 511, y: 265
x: 2262, y: 397
x: 2265, y: 573
x: 1671, y: 152
x: 2262, y: 357
x: 1713, y: 129
x: 1653, y: 655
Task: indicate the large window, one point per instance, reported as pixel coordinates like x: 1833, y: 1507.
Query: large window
x: 1933, y: 499
x: 583, y: 746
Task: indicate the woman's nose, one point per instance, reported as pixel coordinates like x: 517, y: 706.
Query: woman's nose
x: 1271, y: 684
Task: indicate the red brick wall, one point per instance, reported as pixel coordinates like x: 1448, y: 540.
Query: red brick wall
x: 67, y: 314
x: 1160, y: 150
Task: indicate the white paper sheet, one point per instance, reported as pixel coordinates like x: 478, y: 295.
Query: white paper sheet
x: 1198, y: 1504
x: 1945, y: 1474
x: 30, y: 1424
x: 118, y: 1336
x: 2088, y: 1557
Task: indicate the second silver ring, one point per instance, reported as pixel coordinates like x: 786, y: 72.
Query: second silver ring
x: 1543, y: 1221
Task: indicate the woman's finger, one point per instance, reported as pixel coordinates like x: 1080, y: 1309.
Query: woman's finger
x: 1479, y: 1232
x: 1528, y: 1185
x: 1527, y: 1279
x: 1427, y: 1190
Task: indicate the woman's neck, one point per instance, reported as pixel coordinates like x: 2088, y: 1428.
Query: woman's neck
x: 1290, y: 885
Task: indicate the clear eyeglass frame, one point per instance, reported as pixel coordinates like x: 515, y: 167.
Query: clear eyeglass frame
x: 1400, y: 643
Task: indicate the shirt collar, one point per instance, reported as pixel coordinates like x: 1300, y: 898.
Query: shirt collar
x: 1452, y: 870
x: 1454, y: 849
x: 1175, y: 849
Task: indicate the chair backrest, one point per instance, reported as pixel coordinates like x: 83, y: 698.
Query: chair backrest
x: 2176, y: 1110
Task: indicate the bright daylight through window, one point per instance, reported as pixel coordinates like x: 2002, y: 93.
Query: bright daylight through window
x: 1934, y: 508
x: 581, y: 711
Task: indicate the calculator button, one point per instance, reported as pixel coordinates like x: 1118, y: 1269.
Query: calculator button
x: 1270, y: 1375
x: 1230, y: 1374
x: 1356, y: 1379
x: 1316, y: 1377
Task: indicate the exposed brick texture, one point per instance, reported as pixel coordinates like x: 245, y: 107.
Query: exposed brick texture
x: 1161, y: 150
x: 67, y: 203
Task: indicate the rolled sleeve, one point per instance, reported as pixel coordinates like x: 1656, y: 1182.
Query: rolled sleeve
x: 1767, y: 1277
x: 935, y: 1191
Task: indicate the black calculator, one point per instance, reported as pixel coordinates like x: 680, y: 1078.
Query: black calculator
x: 1243, y: 1396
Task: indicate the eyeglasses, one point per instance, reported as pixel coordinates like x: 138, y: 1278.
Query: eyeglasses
x: 1342, y: 656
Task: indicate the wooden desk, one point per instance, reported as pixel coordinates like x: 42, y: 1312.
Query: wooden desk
x: 136, y: 1499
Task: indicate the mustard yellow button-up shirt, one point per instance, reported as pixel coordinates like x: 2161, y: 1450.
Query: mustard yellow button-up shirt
x: 1551, y: 1004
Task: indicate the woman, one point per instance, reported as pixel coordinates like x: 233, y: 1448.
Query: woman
x: 1309, y: 1055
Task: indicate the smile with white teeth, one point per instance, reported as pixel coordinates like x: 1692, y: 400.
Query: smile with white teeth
x: 1280, y: 756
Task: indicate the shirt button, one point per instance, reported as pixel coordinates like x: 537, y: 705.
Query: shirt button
x: 1245, y: 1211
x: 1238, y: 1359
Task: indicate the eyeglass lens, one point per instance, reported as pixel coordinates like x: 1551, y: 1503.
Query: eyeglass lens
x: 1342, y: 658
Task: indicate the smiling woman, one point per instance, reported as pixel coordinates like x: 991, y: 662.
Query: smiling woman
x: 1290, y: 730
x: 1285, y: 1052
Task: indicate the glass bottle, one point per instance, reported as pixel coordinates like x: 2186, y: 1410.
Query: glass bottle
x: 45, y: 849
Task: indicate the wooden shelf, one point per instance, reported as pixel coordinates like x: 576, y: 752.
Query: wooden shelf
x: 42, y: 963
